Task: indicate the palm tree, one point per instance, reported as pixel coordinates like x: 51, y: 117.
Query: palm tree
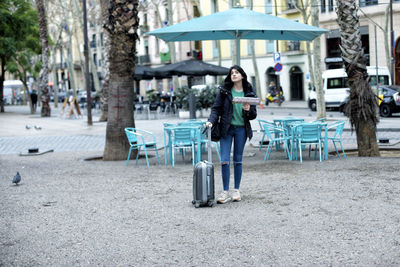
x: 44, y: 73
x: 121, y: 24
x: 362, y: 105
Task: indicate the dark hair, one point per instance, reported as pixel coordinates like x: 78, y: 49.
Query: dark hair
x: 228, y: 84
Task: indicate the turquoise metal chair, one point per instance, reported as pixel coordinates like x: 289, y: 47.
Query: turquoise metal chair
x: 308, y: 134
x: 139, y: 139
x: 319, y: 120
x: 337, y: 136
x: 261, y: 123
x: 182, y: 139
x: 274, y: 139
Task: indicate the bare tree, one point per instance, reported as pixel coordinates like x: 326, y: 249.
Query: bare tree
x: 121, y: 22
x: 44, y: 79
x: 321, y: 110
x: 362, y: 105
x: 104, y: 4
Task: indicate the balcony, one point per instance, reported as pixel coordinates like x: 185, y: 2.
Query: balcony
x: 144, y: 59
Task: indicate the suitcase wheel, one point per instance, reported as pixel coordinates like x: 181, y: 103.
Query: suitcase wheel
x: 197, y: 205
x: 210, y: 203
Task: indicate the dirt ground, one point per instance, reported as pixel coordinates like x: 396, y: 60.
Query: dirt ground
x: 68, y: 211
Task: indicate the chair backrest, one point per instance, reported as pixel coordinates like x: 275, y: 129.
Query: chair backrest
x: 339, y: 126
x: 183, y: 136
x: 262, y: 122
x: 319, y: 120
x: 131, y: 135
x: 308, y: 132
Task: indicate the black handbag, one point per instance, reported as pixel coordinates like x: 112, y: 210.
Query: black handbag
x: 216, y: 131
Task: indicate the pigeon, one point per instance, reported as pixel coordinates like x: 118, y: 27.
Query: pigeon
x: 27, y: 127
x: 16, y: 179
x: 38, y: 127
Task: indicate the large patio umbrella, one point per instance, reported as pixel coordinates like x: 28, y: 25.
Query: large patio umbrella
x: 191, y: 67
x: 238, y: 23
x: 143, y: 72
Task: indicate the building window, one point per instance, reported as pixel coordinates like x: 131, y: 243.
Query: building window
x: 215, y: 48
x: 248, y: 47
x: 101, y: 39
x: 291, y: 4
x: 95, y: 58
x: 330, y: 5
x: 268, y: 6
x: 293, y: 45
x: 323, y: 7
x: 368, y: 2
x: 269, y: 46
x: 214, y: 6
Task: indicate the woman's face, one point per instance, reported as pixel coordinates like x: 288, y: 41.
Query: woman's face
x: 236, y: 76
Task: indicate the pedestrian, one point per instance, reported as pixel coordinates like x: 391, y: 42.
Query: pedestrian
x: 34, y: 98
x: 234, y: 123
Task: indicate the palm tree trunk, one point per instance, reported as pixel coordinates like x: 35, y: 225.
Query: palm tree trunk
x: 362, y: 105
x: 44, y: 73
x: 122, y: 23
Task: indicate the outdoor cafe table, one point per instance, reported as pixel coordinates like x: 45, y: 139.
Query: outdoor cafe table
x: 168, y: 146
x: 283, y: 122
x: 291, y: 129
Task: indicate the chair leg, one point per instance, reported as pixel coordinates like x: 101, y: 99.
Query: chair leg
x: 337, y: 152
x: 269, y: 148
x: 173, y: 156
x: 145, y: 153
x: 158, y: 158
x: 137, y: 156
x: 193, y: 154
x: 320, y: 154
x: 341, y: 145
x: 301, y: 157
x: 261, y: 142
x: 129, y: 155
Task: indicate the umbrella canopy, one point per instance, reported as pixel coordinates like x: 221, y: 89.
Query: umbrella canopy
x: 191, y: 67
x: 238, y: 23
x: 147, y: 73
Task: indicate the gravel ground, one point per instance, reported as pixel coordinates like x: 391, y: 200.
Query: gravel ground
x: 71, y: 212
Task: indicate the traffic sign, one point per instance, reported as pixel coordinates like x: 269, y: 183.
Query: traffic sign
x: 278, y: 67
x: 277, y: 57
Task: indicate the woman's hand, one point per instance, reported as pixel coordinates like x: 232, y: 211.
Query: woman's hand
x: 208, y: 124
x: 246, y: 106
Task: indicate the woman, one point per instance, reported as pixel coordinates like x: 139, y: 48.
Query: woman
x: 234, y: 127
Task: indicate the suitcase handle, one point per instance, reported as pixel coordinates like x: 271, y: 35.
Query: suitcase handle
x: 209, y: 144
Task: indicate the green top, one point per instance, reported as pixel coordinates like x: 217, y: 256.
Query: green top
x: 237, y: 118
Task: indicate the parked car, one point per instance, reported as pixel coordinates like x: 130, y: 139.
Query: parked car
x: 336, y: 88
x: 389, y: 100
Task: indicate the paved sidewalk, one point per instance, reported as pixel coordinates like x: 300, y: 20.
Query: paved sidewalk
x: 62, y: 134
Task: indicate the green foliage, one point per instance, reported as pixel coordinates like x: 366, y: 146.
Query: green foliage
x: 152, y: 95
x: 204, y: 97
x: 207, y: 96
x: 19, y: 32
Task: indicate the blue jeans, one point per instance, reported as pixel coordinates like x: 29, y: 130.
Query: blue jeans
x: 237, y: 134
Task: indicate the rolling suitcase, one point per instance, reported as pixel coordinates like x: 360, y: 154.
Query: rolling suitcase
x: 203, y: 180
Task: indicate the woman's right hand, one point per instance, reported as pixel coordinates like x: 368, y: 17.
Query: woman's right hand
x: 208, y: 124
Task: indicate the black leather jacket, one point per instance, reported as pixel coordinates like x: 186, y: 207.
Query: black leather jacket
x: 223, y: 107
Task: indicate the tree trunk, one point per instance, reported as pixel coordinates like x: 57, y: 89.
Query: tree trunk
x: 321, y: 110
x: 106, y: 70
x: 44, y: 72
x: 362, y: 105
x: 3, y: 66
x: 122, y: 23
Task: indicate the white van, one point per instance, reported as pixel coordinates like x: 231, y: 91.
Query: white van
x: 10, y: 89
x: 336, y: 88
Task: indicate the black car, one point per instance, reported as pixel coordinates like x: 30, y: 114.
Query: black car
x: 390, y: 100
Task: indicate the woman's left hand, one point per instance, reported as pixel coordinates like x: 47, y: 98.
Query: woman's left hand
x: 246, y: 106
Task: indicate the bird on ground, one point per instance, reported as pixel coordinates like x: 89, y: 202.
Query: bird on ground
x: 38, y: 127
x: 17, y: 179
x: 27, y: 127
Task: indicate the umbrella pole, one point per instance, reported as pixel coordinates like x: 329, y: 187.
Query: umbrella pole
x: 237, y: 49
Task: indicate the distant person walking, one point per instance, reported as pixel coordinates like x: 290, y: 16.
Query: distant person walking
x: 34, y: 98
x: 234, y: 123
